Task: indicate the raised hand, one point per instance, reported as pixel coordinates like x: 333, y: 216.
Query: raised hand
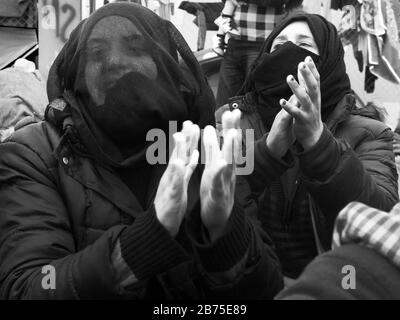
x: 171, y: 198
x: 281, y: 136
x: 217, y: 189
x: 307, y: 126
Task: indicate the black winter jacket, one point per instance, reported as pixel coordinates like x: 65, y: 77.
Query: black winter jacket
x: 297, y: 198
x: 59, y: 208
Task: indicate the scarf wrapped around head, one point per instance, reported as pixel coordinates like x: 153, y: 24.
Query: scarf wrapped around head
x: 266, y: 78
x: 113, y: 128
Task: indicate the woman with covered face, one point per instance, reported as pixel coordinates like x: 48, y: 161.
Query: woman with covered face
x: 80, y: 202
x: 315, y: 149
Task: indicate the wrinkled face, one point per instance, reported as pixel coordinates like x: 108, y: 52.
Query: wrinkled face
x: 114, y: 48
x: 300, y: 34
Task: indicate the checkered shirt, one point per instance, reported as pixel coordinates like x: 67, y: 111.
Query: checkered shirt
x: 255, y: 22
x: 358, y: 223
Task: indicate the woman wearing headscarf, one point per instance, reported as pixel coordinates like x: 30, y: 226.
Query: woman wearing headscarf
x: 83, y: 213
x: 315, y: 150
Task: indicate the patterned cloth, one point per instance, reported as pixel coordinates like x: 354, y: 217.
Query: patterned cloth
x: 256, y: 22
x: 26, y: 19
x: 358, y: 223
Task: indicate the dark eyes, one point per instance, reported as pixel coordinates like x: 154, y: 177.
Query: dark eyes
x: 99, y: 53
x: 305, y: 44
x: 95, y: 54
x: 134, y: 49
x: 301, y: 44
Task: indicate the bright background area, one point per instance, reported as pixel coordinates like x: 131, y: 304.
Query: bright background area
x: 386, y: 94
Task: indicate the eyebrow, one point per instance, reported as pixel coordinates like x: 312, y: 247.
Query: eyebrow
x: 301, y: 37
x: 132, y: 37
x: 281, y: 37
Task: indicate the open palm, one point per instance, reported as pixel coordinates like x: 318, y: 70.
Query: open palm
x: 217, y: 189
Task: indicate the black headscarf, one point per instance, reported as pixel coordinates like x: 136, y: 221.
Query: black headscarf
x: 335, y: 82
x: 114, y: 132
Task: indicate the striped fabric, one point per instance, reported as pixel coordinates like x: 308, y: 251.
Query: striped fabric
x: 255, y: 22
x: 358, y: 223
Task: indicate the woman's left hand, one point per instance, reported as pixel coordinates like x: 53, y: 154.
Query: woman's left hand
x: 308, y: 126
x: 217, y: 189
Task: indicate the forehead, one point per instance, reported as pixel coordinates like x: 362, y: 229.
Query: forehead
x: 295, y: 30
x: 112, y: 27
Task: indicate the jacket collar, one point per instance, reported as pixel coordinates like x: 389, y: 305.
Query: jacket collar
x: 72, y: 156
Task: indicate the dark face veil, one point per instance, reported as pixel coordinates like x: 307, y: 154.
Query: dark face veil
x: 266, y: 78
x: 123, y: 72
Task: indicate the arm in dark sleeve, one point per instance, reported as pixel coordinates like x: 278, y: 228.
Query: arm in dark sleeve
x: 267, y: 167
x: 35, y: 231
x: 336, y: 174
x: 241, y: 264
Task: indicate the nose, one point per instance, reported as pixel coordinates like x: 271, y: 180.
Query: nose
x: 114, y: 57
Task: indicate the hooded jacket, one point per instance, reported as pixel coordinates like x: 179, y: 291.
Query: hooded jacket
x: 296, y: 198
x: 64, y: 205
x: 353, y: 161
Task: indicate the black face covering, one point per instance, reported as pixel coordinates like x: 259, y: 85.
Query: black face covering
x: 273, y: 68
x: 113, y: 128
x: 269, y: 77
x: 130, y: 111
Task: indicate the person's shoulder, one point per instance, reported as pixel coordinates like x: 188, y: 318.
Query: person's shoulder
x: 33, y: 133
x: 373, y: 275
x: 40, y: 138
x: 359, y: 122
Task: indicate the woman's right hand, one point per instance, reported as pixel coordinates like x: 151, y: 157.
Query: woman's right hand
x: 171, y: 198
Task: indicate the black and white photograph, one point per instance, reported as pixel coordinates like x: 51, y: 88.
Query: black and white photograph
x: 199, y: 158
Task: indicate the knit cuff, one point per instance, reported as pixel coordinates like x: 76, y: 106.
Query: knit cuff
x: 147, y: 247
x: 320, y: 161
x: 230, y: 248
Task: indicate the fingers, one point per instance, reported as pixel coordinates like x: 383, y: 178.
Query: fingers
x: 310, y: 83
x: 313, y: 68
x: 217, y: 183
x: 230, y: 149
x: 236, y: 115
x: 179, y: 151
x: 211, y: 146
x: 299, y: 92
x: 185, y: 142
x: 176, y: 175
x: 192, y: 133
x: 231, y: 119
x: 283, y: 115
x: 194, y: 159
x: 291, y: 109
x: 232, y: 135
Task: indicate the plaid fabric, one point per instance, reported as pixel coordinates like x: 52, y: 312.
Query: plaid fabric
x: 255, y: 22
x: 27, y: 20
x: 358, y: 223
